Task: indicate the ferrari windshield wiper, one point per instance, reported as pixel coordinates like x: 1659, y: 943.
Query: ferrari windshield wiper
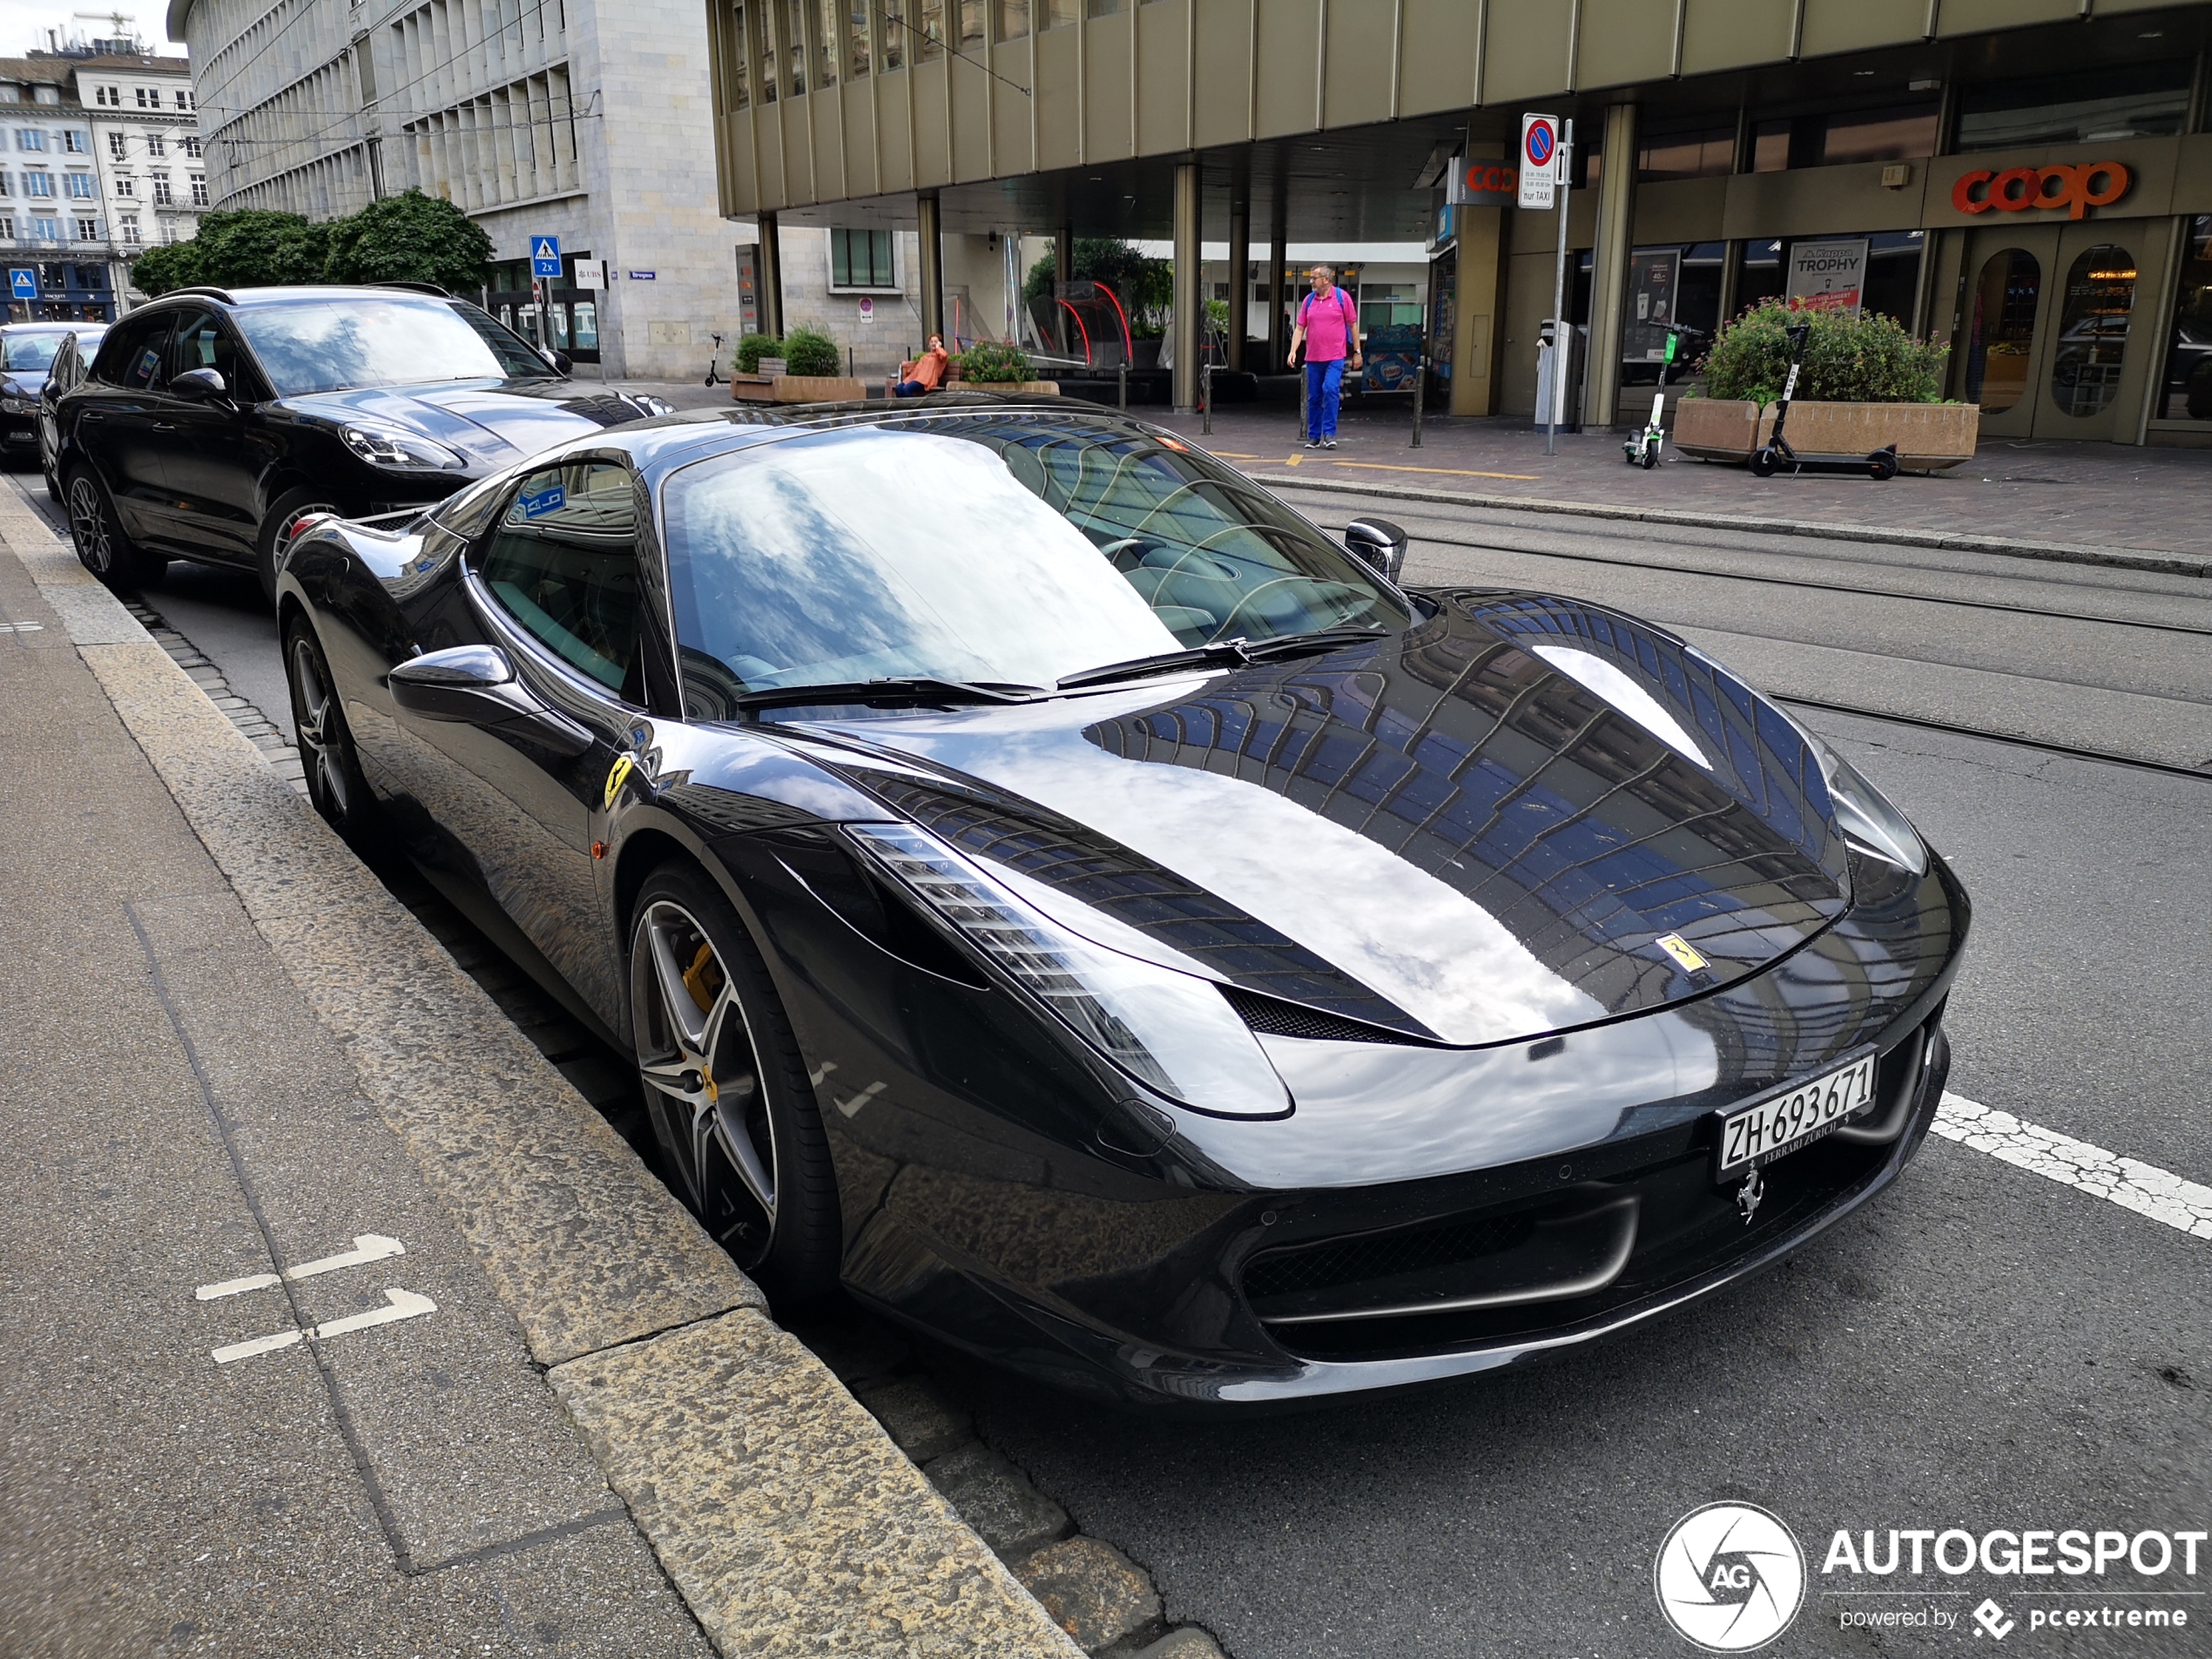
x: 901, y: 688
x: 1221, y: 653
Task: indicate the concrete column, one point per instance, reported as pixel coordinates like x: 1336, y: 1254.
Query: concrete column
x: 931, y: 274
x: 1279, y: 259
x: 1240, y: 236
x: 1616, y: 206
x: 1189, y: 303
x: 771, y: 278
x: 1479, y: 302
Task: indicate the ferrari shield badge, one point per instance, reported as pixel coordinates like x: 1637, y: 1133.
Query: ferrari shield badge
x: 616, y: 774
x: 1686, y: 955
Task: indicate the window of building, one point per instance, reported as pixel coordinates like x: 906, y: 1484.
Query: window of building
x: 829, y: 32
x: 861, y: 259
x: 1014, y: 19
x: 130, y: 230
x: 148, y: 100
x: 88, y: 230
x: 80, y: 186
x: 111, y: 96
x: 126, y: 183
x: 28, y: 139
x: 1102, y: 7
x: 892, y: 43
x: 200, y: 190
x: 860, y: 56
x: 11, y: 95
x: 46, y: 95
x: 972, y: 14
x: 7, y: 184
x: 929, y: 27
x: 1897, y: 133
x: 46, y: 230
x: 764, y: 47
x: 93, y: 277
x: 118, y: 145
x: 2188, y: 393
x: 7, y: 226
x: 1701, y: 152
x: 2094, y: 106
x: 38, y: 184
x: 156, y: 145
x: 192, y: 146
x: 184, y: 100
x: 795, y: 48
x: 161, y: 196
x: 76, y: 142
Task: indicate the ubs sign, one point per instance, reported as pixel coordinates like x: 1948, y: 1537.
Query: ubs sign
x: 2077, y: 189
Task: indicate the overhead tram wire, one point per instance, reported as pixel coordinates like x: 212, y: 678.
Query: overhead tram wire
x: 950, y: 50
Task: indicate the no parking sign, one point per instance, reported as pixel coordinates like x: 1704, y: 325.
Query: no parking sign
x: 1539, y: 160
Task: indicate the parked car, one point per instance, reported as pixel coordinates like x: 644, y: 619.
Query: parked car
x: 71, y: 359
x: 1099, y: 918
x: 27, y: 355
x: 210, y: 425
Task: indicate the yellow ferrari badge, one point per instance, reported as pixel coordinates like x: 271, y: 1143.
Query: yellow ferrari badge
x: 1683, y: 951
x: 623, y: 767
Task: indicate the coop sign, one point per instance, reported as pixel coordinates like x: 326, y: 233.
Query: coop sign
x: 2077, y: 189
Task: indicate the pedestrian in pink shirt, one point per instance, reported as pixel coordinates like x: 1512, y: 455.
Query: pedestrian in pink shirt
x: 1327, y: 334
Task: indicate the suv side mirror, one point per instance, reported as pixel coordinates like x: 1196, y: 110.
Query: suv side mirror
x: 560, y: 359
x: 1377, y: 542
x: 200, y: 382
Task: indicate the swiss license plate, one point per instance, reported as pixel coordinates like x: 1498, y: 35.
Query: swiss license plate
x: 1801, y: 1114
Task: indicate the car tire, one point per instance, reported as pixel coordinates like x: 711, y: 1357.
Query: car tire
x: 328, y: 758
x: 96, y: 533
x: 726, y: 1086
x: 274, y: 542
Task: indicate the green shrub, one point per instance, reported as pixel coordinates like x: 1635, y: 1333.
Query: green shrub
x: 989, y: 363
x: 174, y: 265
x: 809, y: 351
x: 408, y: 238
x: 1866, y: 359
x: 752, y: 348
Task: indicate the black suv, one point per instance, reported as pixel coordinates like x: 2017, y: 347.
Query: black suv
x: 213, y: 424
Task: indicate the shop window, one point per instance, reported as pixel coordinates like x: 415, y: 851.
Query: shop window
x: 2096, y: 106
x: 1388, y: 305
x: 861, y: 259
x: 1708, y: 152
x: 2188, y: 354
x: 2004, y: 330
x: 1760, y: 276
x: 1840, y: 137
x: 2094, y: 314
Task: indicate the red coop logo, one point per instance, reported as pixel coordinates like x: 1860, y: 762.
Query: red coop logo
x: 2094, y: 183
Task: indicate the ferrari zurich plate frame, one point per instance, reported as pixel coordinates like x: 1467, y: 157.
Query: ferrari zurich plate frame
x: 1056, y: 893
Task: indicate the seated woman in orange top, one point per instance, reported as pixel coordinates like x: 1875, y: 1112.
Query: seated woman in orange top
x: 921, y: 377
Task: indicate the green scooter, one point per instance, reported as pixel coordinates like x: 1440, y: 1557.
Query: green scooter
x: 1643, y: 449
x: 1775, y: 454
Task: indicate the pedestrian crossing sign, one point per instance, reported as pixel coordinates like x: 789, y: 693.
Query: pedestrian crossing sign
x: 23, y: 283
x: 545, y: 256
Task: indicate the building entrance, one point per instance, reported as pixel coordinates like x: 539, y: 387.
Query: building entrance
x: 2047, y: 324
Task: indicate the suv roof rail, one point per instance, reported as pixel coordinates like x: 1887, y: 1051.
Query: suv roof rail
x: 418, y: 288
x: 213, y: 294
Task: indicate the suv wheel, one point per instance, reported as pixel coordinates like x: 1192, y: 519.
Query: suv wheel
x: 102, y: 548
x: 278, y: 528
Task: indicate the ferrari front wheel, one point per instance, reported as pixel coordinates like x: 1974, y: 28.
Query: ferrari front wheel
x: 726, y: 1086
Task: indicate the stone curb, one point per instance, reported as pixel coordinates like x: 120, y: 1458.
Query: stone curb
x: 2120, y: 559
x: 787, y: 1518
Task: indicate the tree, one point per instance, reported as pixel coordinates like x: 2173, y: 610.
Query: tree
x: 158, y: 270
x: 257, y: 247
x: 409, y: 237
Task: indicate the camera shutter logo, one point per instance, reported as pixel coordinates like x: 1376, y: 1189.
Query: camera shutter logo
x: 1730, y: 1577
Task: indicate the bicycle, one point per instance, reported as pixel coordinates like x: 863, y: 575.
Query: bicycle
x: 714, y: 360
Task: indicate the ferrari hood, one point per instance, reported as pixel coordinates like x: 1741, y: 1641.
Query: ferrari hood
x: 489, y: 422
x: 1521, y: 816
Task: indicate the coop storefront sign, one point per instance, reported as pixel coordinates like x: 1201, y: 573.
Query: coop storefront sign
x: 1481, y: 183
x: 2076, y: 189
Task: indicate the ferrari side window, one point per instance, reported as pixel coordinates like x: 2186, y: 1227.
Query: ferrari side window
x: 563, y: 564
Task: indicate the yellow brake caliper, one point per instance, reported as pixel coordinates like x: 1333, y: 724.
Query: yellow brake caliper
x: 696, y: 982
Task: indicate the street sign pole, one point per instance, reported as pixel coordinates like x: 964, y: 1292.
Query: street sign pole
x: 1562, y: 331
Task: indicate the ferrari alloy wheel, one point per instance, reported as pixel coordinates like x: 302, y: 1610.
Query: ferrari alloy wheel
x: 728, y: 1094
x: 102, y: 548
x: 333, y: 774
x: 281, y: 528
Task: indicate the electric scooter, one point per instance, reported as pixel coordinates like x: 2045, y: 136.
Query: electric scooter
x: 1775, y: 454
x: 714, y: 360
x: 1642, y: 448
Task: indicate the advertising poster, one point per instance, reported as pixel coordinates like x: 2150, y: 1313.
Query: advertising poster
x: 1654, y: 273
x: 1828, y: 275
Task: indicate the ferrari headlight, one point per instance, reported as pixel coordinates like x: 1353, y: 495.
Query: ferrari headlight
x: 1170, y: 1030
x: 386, y: 447
x: 1865, y: 814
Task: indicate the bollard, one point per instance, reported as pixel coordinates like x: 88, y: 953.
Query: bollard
x: 1124, y: 372
x: 1421, y: 386
x: 1299, y: 370
x: 1205, y: 395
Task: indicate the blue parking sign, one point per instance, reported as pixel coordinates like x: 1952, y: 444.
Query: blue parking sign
x: 23, y: 283
x: 545, y: 256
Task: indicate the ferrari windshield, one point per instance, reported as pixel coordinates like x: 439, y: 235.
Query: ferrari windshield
x: 336, y: 344
x: 1018, y: 549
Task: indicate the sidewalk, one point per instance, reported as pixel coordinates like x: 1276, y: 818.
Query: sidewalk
x: 337, y: 1321
x: 2089, y: 495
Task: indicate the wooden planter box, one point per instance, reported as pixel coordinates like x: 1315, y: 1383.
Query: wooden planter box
x: 1013, y: 388
x: 819, y: 388
x: 753, y: 389
x: 1929, y: 436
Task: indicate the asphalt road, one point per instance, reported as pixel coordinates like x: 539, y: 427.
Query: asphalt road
x: 1981, y: 1348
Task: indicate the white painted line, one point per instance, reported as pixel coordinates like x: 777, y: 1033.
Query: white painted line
x: 2144, y: 1188
x: 22, y: 627
x: 367, y: 1247
x: 405, y: 1305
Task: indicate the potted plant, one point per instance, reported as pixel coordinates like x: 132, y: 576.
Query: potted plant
x: 999, y: 368
x: 1865, y: 383
x: 811, y: 375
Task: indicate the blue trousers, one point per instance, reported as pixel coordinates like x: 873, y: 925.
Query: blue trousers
x: 1323, y: 392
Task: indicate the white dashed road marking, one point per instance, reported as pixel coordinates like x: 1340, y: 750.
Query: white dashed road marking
x: 2144, y: 1188
x: 405, y: 1305
x: 367, y: 1247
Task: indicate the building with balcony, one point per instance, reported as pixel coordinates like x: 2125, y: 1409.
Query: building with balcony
x: 53, y: 220
x: 585, y: 122
x: 144, y: 123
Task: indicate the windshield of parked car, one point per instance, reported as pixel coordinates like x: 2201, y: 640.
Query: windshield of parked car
x: 30, y: 354
x: 1013, y: 548
x: 337, y: 344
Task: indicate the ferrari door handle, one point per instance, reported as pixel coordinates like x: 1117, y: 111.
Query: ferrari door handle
x: 164, y: 425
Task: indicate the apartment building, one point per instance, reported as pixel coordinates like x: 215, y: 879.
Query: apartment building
x: 145, y: 140
x: 582, y: 122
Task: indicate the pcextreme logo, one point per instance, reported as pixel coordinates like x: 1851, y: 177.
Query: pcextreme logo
x: 1730, y: 1577
x: 2095, y: 184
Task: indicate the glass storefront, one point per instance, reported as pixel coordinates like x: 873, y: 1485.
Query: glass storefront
x: 2187, y: 394
x: 1999, y: 341
x: 2092, y: 346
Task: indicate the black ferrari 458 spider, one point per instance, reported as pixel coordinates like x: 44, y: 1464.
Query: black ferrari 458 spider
x: 1056, y: 892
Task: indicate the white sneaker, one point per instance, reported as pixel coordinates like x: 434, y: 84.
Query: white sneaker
x: 1328, y: 444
